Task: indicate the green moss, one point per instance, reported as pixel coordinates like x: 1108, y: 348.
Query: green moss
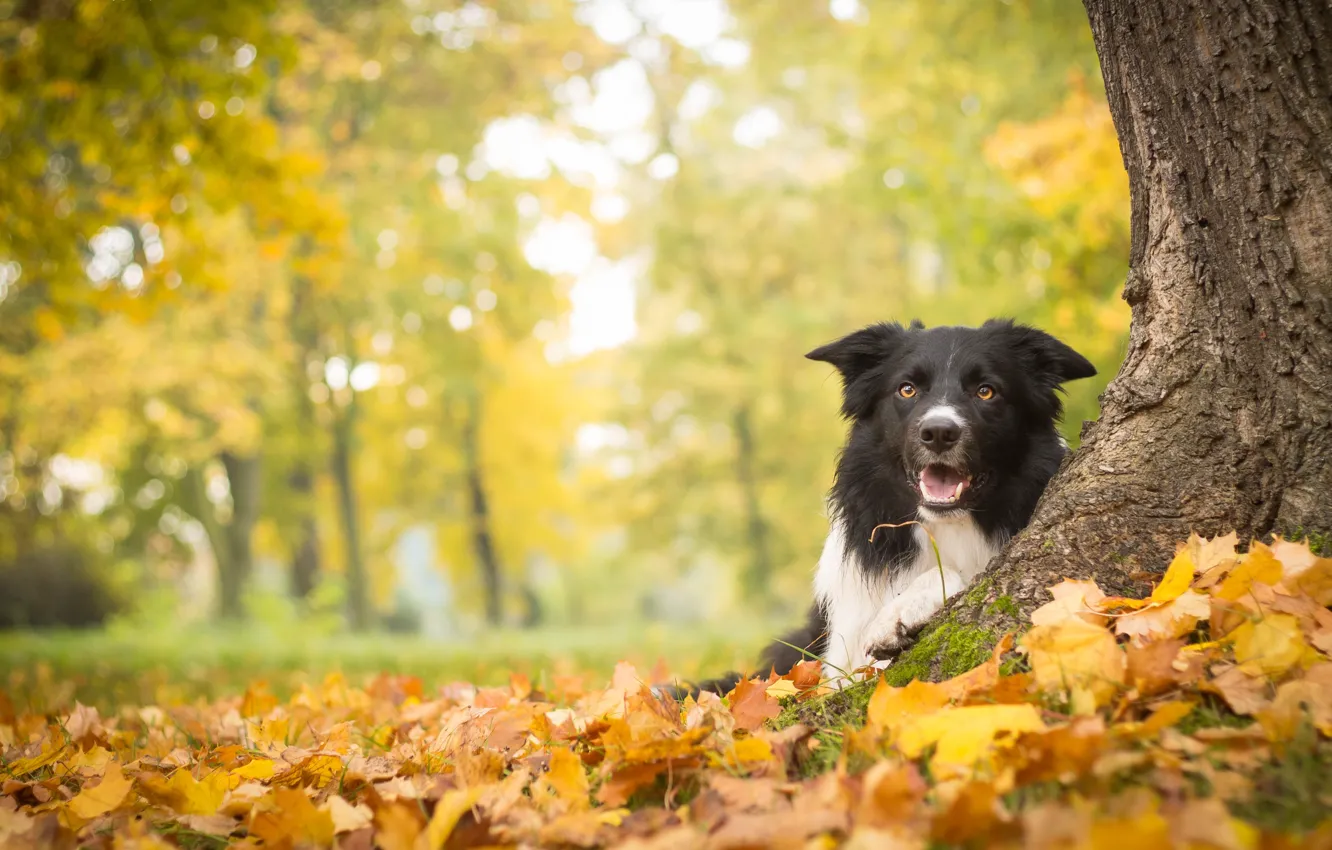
x: 1320, y: 542
x: 1003, y: 605
x: 953, y: 646
x: 976, y: 595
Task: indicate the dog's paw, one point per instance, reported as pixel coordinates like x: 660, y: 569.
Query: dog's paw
x: 893, y: 644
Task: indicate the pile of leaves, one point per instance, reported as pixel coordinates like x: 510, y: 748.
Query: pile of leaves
x: 1197, y: 716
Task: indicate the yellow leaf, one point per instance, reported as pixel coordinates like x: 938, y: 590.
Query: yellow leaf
x: 566, y: 779
x: 1271, y: 646
x: 968, y: 735
x: 1076, y: 658
x: 891, y: 708
x: 259, y: 769
x: 782, y: 688
x: 1178, y: 577
x: 103, y: 797
x: 347, y: 817
x: 1258, y: 566
x: 289, y: 818
x: 190, y: 796
x: 450, y: 809
x: 751, y: 750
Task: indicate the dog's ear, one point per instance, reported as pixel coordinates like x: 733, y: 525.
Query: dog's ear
x: 1051, y: 360
x: 859, y: 357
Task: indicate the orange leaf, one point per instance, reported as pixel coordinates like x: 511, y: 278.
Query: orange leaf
x: 751, y: 705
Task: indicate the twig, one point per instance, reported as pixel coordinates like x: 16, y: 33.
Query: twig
x: 943, y: 584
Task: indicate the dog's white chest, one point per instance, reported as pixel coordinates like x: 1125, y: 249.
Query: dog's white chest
x: 863, y: 610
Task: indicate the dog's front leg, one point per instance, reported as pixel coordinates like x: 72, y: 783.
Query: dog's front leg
x: 902, y: 617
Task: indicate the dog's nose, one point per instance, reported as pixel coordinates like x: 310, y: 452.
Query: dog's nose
x: 940, y: 433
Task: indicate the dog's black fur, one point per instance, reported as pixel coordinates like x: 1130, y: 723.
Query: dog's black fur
x: 1009, y: 448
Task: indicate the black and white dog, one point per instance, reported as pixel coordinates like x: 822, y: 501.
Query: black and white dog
x: 951, y: 427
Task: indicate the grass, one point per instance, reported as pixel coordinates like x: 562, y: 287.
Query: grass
x: 1292, y: 793
x: 41, y: 671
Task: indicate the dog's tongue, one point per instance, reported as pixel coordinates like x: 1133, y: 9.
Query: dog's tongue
x: 940, y: 483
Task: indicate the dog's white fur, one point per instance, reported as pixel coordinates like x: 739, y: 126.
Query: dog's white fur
x: 865, y: 611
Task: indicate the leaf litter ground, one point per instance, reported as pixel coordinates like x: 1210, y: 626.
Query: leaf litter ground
x: 1196, y: 717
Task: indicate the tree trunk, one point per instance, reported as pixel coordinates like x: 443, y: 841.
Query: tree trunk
x: 230, y: 542
x: 358, y: 591
x: 301, y: 479
x: 245, y: 479
x: 482, y: 541
x: 758, y: 575
x: 305, y: 560
x: 1219, y: 418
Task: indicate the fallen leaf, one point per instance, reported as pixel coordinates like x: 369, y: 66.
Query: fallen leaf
x: 448, y: 811
x: 289, y: 819
x: 106, y: 795
x: 1271, y: 646
x: 751, y: 705
x: 1077, y: 658
x: 1072, y: 598
x: 565, y: 779
x: 347, y: 817
x: 1172, y: 619
x: 965, y: 737
x: 891, y: 708
x: 1242, y: 691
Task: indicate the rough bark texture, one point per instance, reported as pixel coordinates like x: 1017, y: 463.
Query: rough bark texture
x: 482, y: 541
x: 1219, y: 418
x: 358, y: 586
x: 758, y: 575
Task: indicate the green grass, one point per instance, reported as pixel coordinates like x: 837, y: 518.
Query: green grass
x: 1293, y: 792
x: 42, y: 671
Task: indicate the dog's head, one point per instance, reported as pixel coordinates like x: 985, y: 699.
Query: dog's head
x: 954, y: 409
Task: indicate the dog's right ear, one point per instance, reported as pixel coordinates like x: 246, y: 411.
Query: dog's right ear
x: 859, y: 357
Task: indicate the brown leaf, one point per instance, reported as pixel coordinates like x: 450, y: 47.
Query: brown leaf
x: 751, y: 706
x: 1243, y: 692
x: 1151, y: 668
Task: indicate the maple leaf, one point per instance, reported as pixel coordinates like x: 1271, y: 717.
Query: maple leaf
x: 965, y: 737
x: 448, y: 812
x: 891, y: 708
x: 1079, y: 658
x: 288, y: 818
x: 565, y: 780
x: 1271, y: 646
x: 106, y: 795
x: 751, y: 705
x: 1071, y: 599
x: 1172, y: 619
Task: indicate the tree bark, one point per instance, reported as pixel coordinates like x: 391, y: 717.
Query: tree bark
x: 1219, y: 417
x: 482, y: 540
x: 244, y: 476
x: 301, y: 479
x: 758, y: 576
x: 230, y: 542
x: 358, y: 591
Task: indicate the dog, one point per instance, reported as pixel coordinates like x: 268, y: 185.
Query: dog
x: 952, y: 436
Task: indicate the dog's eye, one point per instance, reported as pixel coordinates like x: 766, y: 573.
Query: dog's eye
x: 907, y: 390
x: 985, y: 392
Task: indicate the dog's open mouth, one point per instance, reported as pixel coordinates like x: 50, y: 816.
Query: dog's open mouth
x: 942, y: 485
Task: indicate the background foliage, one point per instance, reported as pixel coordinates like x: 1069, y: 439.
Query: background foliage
x: 281, y: 282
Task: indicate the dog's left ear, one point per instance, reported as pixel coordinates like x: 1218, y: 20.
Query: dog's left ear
x: 1049, y: 358
x: 858, y: 357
